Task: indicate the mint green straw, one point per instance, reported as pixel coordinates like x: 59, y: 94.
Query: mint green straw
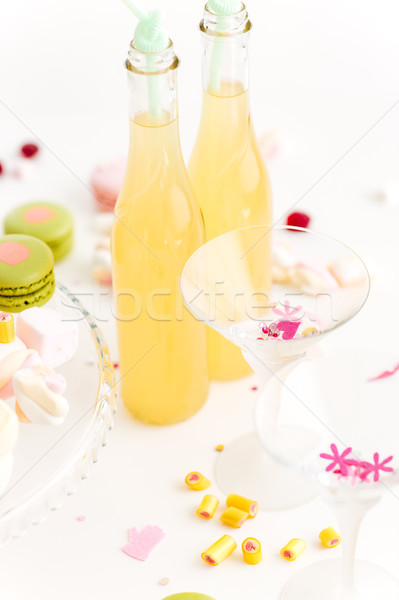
x: 150, y: 37
x: 223, y: 8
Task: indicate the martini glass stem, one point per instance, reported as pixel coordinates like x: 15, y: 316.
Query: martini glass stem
x: 350, y: 513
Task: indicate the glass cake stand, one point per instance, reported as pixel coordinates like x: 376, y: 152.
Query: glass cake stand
x: 226, y: 284
x: 50, y: 462
x: 348, y: 399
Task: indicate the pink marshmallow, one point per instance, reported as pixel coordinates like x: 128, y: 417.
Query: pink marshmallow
x: 45, y: 330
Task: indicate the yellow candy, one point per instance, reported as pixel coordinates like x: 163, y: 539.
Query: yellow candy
x: 196, y: 481
x: 208, y: 507
x: 329, y: 537
x: 234, y: 517
x: 293, y: 549
x: 251, y: 551
x: 310, y: 331
x: 245, y: 504
x: 219, y: 448
x: 7, y: 331
x: 219, y: 551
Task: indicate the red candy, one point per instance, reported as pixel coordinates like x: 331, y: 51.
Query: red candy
x: 298, y: 219
x: 29, y: 150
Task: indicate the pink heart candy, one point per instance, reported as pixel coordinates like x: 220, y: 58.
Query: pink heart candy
x: 289, y: 329
x: 13, y: 253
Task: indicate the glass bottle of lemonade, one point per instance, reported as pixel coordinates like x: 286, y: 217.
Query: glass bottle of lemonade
x: 226, y: 168
x: 157, y: 226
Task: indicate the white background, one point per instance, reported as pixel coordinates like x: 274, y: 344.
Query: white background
x: 324, y: 76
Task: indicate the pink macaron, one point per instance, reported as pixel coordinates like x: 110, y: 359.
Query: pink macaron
x: 106, y: 182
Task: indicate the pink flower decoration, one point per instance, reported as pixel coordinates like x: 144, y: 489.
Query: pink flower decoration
x: 376, y: 467
x: 289, y: 311
x: 337, y: 459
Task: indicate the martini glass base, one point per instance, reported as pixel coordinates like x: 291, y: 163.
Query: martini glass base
x: 321, y: 581
x: 244, y: 468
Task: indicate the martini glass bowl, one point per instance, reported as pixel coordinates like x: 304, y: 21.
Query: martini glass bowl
x: 348, y: 400
x: 270, y: 292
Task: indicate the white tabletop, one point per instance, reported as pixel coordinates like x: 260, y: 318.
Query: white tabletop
x: 324, y: 76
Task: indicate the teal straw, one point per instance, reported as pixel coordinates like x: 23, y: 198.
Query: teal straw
x: 221, y: 8
x: 150, y: 37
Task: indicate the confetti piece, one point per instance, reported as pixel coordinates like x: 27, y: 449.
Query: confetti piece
x: 81, y: 518
x: 164, y: 581
x: 116, y: 365
x: 298, y: 219
x: 254, y: 388
x: 219, y: 448
x: 385, y: 374
x: 29, y: 150
x: 1, y: 169
x: 142, y: 542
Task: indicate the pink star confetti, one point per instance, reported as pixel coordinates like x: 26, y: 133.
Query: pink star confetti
x: 337, y: 459
x: 354, y: 469
x: 142, y: 542
x: 376, y: 467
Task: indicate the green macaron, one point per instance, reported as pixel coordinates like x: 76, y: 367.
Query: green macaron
x: 26, y: 272
x: 188, y: 596
x: 50, y: 222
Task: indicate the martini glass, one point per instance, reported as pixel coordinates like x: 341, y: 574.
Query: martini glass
x: 348, y: 399
x: 227, y: 284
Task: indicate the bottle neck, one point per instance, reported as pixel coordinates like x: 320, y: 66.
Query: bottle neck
x: 152, y: 86
x: 225, y: 53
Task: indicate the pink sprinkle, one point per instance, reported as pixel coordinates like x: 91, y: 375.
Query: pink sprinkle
x: 385, y: 374
x: 29, y: 150
x: 254, y: 388
x: 81, y: 518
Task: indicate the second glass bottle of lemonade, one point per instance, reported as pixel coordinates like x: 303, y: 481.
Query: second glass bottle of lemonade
x: 226, y: 168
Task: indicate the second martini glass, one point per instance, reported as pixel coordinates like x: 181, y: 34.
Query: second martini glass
x: 275, y: 320
x: 349, y: 401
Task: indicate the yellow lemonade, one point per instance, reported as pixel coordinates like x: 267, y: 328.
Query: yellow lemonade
x: 157, y: 227
x: 232, y: 186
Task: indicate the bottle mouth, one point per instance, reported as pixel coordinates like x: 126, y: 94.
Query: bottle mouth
x: 225, y: 25
x: 151, y: 63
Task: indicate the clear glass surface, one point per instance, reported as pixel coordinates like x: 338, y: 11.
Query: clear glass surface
x: 226, y: 284
x: 50, y: 462
x: 349, y: 399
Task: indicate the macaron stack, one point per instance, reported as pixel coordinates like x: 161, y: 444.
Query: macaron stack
x: 26, y: 272
x: 50, y: 222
